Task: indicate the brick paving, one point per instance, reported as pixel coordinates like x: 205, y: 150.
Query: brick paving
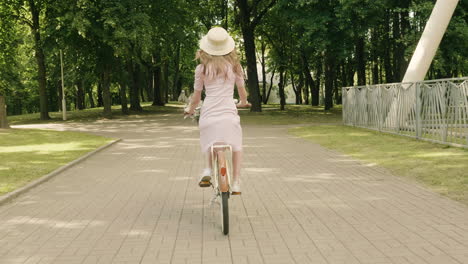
x: 138, y: 202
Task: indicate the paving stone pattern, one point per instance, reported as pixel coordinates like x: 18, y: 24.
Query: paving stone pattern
x: 138, y: 202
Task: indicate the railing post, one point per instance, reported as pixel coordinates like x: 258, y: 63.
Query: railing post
x: 343, y: 94
x: 418, y: 110
x: 444, y: 118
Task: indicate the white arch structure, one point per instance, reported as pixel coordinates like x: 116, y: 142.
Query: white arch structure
x: 430, y: 40
x: 422, y: 58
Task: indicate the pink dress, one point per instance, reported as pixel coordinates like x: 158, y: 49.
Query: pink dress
x: 219, y: 120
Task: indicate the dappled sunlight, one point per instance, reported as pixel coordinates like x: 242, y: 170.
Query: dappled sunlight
x: 135, y: 233
x: 45, y: 148
x: 261, y: 170
x: 37, y: 162
x: 152, y: 171
x: 319, y: 177
x: 152, y: 158
x: 355, y: 134
x: 188, y: 139
x: 439, y: 154
x: 318, y: 203
x: 52, y: 223
x: 27, y: 202
x: 180, y: 178
x: 67, y: 193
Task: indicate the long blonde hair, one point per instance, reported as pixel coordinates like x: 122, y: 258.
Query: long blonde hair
x: 219, y: 65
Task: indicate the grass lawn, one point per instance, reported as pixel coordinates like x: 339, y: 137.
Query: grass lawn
x: 443, y: 169
x: 271, y: 115
x: 27, y: 154
x: 92, y: 114
x: 293, y: 114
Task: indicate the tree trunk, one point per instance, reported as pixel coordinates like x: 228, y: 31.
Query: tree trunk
x: 304, y: 78
x: 123, y: 97
x: 106, y: 96
x: 80, y: 96
x: 375, y: 58
x: 175, y: 90
x: 297, y: 89
x: 282, y: 80
x: 166, y: 81
x: 99, y: 94
x: 225, y: 13
x: 150, y: 83
x: 3, y: 113
x: 315, y: 86
x: 271, y: 86
x: 142, y: 84
x: 249, y: 44
x: 387, y: 60
x: 361, y: 61
x: 263, y: 62
x: 404, y: 29
x: 90, y: 96
x: 40, y: 59
x: 300, y: 87
x: 396, y: 47
x: 329, y: 79
x: 134, y: 72
x: 158, y: 95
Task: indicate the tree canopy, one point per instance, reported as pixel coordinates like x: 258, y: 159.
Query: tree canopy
x: 129, y: 51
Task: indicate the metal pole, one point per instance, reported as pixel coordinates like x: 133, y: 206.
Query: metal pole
x: 64, y: 105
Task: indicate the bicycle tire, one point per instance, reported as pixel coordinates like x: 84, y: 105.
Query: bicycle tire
x: 225, y: 212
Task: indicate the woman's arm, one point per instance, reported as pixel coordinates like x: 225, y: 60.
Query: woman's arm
x: 240, y: 83
x: 194, y: 102
x: 198, y: 88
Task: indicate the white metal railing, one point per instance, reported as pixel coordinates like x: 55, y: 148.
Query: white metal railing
x: 434, y: 110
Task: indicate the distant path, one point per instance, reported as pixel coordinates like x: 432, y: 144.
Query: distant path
x: 138, y: 202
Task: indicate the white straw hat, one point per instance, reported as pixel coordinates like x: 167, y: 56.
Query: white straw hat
x: 217, y: 42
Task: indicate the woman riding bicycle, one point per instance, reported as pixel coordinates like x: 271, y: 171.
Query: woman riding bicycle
x: 218, y: 71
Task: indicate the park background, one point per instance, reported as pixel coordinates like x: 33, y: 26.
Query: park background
x: 128, y: 52
x: 116, y: 182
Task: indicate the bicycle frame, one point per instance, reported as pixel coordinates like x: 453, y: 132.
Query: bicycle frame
x: 222, y: 167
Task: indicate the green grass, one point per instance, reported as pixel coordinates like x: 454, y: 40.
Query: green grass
x: 443, y: 169
x: 93, y: 114
x: 271, y: 115
x: 27, y: 154
x: 293, y: 114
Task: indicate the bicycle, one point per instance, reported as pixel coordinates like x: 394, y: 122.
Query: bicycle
x: 222, y: 170
x: 221, y: 164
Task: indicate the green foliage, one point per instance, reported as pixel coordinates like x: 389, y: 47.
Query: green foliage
x: 131, y: 39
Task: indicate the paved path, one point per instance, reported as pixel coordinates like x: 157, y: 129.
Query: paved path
x: 138, y: 202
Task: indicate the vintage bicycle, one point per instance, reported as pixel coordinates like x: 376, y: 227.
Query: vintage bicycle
x: 221, y: 164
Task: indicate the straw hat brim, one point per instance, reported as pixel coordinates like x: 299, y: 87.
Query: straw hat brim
x: 217, y: 50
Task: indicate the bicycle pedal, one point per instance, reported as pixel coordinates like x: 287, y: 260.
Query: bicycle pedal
x: 204, y: 184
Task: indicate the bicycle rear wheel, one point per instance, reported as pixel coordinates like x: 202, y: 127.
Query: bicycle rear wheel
x: 224, y: 212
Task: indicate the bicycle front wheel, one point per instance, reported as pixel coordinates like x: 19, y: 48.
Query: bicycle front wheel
x: 225, y: 212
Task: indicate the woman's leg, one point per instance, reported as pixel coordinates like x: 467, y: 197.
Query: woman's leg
x: 236, y: 160
x: 208, y: 160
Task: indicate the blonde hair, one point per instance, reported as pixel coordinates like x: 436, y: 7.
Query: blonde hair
x: 219, y: 65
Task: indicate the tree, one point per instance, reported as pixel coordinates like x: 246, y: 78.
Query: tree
x: 250, y: 16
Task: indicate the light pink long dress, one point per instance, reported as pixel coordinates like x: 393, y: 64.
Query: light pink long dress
x: 219, y: 120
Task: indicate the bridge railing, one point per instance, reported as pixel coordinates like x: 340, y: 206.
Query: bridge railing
x: 435, y: 110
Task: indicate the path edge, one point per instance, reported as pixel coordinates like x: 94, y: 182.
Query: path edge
x: 12, y: 195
